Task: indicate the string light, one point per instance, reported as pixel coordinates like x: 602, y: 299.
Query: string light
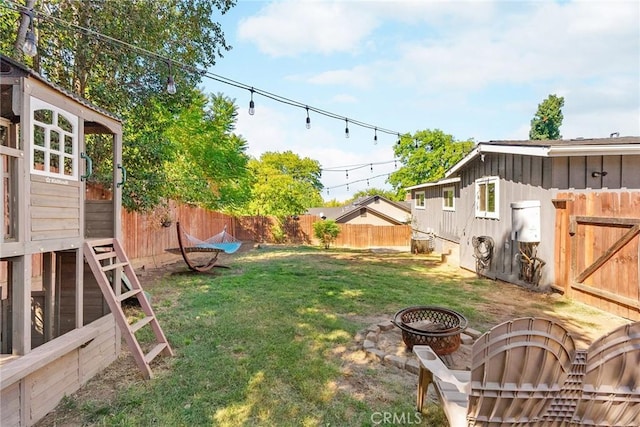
x: 12, y: 5
x: 375, y: 136
x: 252, y: 105
x: 308, y: 119
x: 346, y: 129
x: 171, y: 85
x: 30, y: 46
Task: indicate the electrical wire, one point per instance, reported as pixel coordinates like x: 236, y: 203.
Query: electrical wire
x: 204, y: 73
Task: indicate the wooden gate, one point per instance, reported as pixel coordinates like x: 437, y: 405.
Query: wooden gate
x: 597, y: 250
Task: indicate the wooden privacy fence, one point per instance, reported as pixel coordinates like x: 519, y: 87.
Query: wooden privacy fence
x: 597, y: 250
x: 146, y: 236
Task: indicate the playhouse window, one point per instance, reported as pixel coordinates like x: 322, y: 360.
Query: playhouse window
x: 487, y: 197
x: 54, y: 150
x: 419, y: 200
x: 448, y: 198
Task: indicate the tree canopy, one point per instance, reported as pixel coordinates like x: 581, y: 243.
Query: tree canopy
x: 284, y: 184
x: 426, y: 156
x: 387, y: 194
x: 548, y: 119
x: 78, y: 50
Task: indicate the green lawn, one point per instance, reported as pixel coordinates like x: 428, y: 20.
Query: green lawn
x: 264, y: 342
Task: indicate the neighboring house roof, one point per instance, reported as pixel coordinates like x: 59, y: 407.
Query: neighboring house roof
x: 554, y: 148
x: 22, y: 67
x: 344, y: 212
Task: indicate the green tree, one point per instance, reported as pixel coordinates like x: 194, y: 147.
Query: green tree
x: 426, y: 156
x: 210, y: 166
x: 387, y: 194
x: 126, y: 80
x: 284, y: 184
x: 327, y: 231
x: 548, y: 119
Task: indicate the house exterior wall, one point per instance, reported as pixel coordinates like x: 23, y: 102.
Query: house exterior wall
x: 444, y: 224
x: 364, y: 216
x: 576, y: 173
x: 520, y: 178
x: 390, y: 210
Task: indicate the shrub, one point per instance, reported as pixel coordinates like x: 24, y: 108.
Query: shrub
x: 327, y: 231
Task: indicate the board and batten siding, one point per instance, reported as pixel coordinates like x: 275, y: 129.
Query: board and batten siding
x: 575, y: 173
x: 520, y: 178
x: 433, y: 219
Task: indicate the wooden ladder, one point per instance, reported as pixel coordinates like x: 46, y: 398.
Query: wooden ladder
x: 107, y: 255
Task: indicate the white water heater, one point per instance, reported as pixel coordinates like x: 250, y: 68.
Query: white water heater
x: 525, y: 221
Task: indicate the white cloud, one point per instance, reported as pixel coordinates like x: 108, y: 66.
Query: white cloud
x: 292, y: 28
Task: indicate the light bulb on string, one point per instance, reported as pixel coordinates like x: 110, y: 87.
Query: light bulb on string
x: 308, y: 119
x: 252, y: 105
x: 398, y: 139
x: 371, y: 165
x: 30, y: 46
x: 171, y: 84
x: 347, y: 171
x: 375, y: 136
x: 346, y: 129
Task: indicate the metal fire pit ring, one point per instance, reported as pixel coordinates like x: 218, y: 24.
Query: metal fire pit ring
x: 436, y: 327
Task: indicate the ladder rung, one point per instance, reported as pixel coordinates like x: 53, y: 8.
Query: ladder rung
x: 114, y: 266
x: 155, y: 351
x: 106, y: 255
x: 140, y: 323
x: 128, y: 294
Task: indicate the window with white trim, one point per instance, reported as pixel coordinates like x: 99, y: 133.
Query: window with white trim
x: 448, y: 198
x: 54, y: 151
x: 488, y: 197
x: 419, y: 200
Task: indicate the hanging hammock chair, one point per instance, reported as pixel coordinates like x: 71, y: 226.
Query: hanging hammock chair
x: 221, y: 242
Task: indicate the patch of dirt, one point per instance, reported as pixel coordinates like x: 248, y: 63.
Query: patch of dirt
x: 363, y: 377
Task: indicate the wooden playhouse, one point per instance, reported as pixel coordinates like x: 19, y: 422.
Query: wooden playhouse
x: 58, y: 328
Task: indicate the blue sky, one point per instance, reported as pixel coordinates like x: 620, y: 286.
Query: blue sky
x: 474, y: 69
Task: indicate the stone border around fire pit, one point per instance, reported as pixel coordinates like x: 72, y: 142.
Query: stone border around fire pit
x: 370, y: 338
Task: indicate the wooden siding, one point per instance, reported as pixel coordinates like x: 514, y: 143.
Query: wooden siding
x: 588, y: 226
x: 99, y: 217
x: 575, y: 173
x: 26, y: 399
x: 433, y: 219
x: 521, y: 178
x: 54, y: 210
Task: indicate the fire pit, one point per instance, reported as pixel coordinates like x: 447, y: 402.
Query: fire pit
x: 436, y: 327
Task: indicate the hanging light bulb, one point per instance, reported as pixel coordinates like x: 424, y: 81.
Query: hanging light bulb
x: 398, y: 139
x: 347, y: 171
x: 308, y: 119
x: 30, y: 46
x: 416, y: 143
x: 375, y: 136
x: 171, y: 84
x: 252, y: 105
x: 371, y: 165
x: 346, y: 129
